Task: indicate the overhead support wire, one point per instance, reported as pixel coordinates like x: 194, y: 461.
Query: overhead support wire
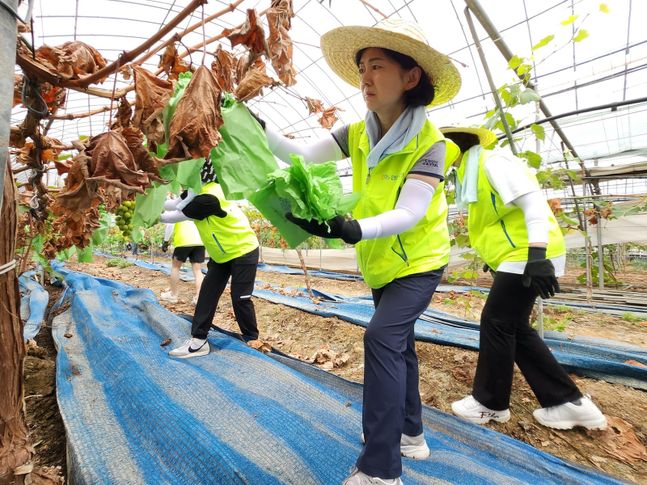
x: 611, y: 106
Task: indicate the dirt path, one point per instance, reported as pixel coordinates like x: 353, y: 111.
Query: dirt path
x: 445, y: 372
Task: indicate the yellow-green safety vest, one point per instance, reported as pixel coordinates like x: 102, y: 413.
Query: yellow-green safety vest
x: 229, y: 237
x: 185, y: 234
x: 498, y: 232
x: 424, y: 247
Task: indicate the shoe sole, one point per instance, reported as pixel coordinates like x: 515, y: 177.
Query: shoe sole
x: 200, y: 353
x: 596, y: 424
x: 415, y: 452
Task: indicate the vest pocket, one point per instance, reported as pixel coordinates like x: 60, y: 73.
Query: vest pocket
x: 218, y: 243
x: 505, y: 231
x: 398, y: 248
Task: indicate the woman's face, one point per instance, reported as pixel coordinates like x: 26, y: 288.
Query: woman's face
x: 383, y: 81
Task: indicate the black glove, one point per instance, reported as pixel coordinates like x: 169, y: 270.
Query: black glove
x: 165, y: 246
x: 540, y: 273
x: 203, y: 206
x: 338, y: 227
x: 487, y: 268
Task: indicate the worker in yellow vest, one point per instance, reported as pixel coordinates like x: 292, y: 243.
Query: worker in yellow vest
x: 513, y: 230
x: 233, y: 252
x: 186, y: 245
x: 399, y: 225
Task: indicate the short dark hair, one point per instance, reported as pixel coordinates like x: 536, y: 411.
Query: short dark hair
x: 465, y: 141
x: 422, y: 93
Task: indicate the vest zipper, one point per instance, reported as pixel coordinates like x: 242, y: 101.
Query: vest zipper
x: 218, y: 242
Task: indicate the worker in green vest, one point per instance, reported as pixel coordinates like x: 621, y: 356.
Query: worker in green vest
x: 399, y: 225
x: 233, y: 253
x: 186, y: 245
x: 513, y: 230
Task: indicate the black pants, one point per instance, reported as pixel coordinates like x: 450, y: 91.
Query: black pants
x: 243, y: 274
x: 506, y: 337
x: 391, y: 404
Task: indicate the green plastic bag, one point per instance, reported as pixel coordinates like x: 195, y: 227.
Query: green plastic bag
x: 242, y: 160
x: 309, y: 191
x: 313, y: 190
x: 274, y: 208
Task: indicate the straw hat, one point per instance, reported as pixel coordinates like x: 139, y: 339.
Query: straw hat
x: 486, y: 137
x: 340, y: 45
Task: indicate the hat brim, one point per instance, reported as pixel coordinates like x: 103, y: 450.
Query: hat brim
x: 340, y: 45
x: 486, y: 137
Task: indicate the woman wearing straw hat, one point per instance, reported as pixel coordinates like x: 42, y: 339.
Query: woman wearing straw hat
x: 399, y: 225
x: 514, y: 231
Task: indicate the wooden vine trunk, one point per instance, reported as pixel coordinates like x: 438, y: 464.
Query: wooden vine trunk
x: 14, y: 444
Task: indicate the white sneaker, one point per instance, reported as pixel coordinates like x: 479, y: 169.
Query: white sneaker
x: 411, y: 446
x: 194, y: 347
x: 169, y: 297
x: 361, y: 478
x: 472, y: 410
x: 414, y: 447
x: 568, y: 415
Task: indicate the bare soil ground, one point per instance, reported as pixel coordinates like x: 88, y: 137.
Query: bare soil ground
x: 446, y: 373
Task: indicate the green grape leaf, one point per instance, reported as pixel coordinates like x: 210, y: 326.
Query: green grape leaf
x: 538, y: 131
x: 543, y: 42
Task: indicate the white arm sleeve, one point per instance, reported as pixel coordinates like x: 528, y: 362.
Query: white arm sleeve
x: 171, y: 217
x: 320, y: 151
x: 168, y: 231
x: 411, y: 206
x: 171, y: 204
x: 533, y: 205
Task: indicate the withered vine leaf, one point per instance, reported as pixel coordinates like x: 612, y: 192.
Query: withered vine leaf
x: 152, y: 94
x: 252, y: 84
x: 72, y: 60
x: 250, y: 34
x: 171, y: 63
x: 194, y: 128
x: 279, y: 42
x: 329, y: 117
x: 224, y: 69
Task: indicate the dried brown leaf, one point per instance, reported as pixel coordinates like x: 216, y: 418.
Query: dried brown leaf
x: 193, y: 131
x: 113, y: 163
x: 224, y: 69
x: 144, y: 161
x: 77, y: 194
x: 621, y: 441
x: 72, y: 60
x: 152, y: 94
x: 252, y: 84
x: 314, y: 105
x: 18, y: 81
x: 123, y: 115
x: 171, y: 63
x: 250, y: 34
x: 279, y: 41
x: 329, y: 117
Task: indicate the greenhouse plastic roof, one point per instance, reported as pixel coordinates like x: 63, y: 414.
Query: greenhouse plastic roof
x: 606, y: 67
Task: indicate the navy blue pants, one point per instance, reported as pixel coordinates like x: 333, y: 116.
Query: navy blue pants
x: 392, y: 403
